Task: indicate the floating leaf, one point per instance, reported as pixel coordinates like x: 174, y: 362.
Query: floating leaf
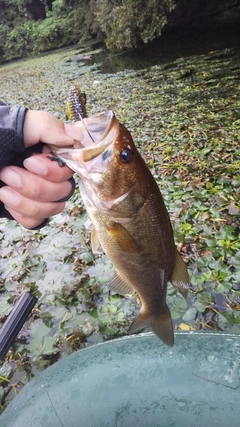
x: 185, y: 327
x: 190, y: 314
x: 193, y: 151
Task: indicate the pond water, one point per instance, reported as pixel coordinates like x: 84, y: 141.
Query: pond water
x: 163, y: 50
x: 180, y: 100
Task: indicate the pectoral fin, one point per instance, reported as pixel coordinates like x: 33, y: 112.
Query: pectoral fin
x: 180, y: 278
x: 122, y: 237
x: 95, y: 243
x: 119, y: 286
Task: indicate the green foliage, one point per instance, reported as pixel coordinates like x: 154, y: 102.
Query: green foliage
x: 124, y: 24
x: 20, y: 35
x: 132, y: 22
x: 49, y: 34
x: 34, y: 26
x: 19, y: 41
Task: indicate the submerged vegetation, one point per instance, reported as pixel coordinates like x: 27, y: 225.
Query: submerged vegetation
x: 184, y: 116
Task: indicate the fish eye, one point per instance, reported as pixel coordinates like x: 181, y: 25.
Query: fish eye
x: 126, y: 155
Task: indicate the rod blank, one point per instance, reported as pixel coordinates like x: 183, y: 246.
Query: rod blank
x: 15, y: 322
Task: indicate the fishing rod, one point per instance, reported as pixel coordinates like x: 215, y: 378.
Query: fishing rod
x: 15, y: 322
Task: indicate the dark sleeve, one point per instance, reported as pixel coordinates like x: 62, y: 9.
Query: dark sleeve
x: 12, y: 150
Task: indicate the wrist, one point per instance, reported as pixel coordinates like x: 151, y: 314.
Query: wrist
x: 19, y: 128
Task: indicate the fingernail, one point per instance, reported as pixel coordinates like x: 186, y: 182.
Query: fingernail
x: 9, y: 197
x: 10, y: 177
x: 35, y: 165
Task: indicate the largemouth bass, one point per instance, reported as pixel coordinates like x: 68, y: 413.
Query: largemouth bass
x: 130, y: 219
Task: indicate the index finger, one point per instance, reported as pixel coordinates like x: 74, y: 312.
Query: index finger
x: 42, y: 165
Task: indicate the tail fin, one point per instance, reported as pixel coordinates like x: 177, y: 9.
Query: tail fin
x: 161, y: 325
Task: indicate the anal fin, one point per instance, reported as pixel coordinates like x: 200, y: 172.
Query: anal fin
x: 180, y: 277
x: 118, y: 285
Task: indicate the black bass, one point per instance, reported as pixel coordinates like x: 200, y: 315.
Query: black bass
x: 130, y: 219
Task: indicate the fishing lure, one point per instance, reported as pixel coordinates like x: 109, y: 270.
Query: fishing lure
x: 76, y: 105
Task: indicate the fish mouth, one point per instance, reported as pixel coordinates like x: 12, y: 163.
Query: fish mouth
x: 98, y: 133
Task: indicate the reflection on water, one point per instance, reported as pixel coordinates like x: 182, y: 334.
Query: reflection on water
x: 163, y: 49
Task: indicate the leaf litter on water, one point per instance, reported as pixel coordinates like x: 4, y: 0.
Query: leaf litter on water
x: 184, y: 116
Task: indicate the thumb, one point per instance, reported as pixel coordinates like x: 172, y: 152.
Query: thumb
x: 42, y: 126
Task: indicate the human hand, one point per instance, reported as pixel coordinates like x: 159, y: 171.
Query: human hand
x: 30, y: 194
